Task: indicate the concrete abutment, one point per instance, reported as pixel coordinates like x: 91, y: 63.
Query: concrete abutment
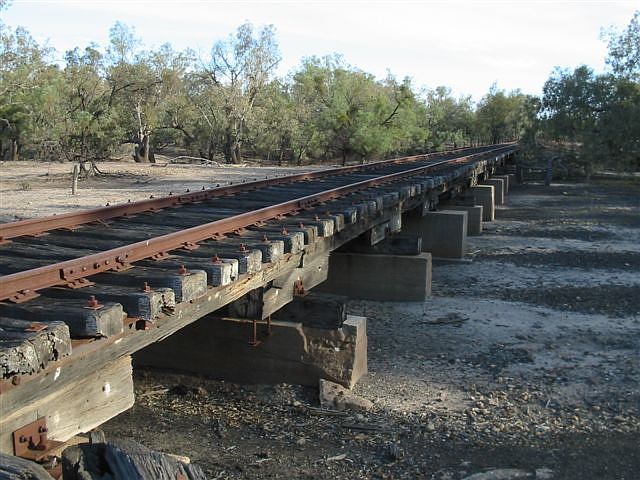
x: 293, y: 352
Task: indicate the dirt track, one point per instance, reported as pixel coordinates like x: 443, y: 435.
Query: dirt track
x: 527, y: 357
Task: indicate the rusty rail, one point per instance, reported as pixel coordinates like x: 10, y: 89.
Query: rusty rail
x: 24, y: 284
x: 35, y: 226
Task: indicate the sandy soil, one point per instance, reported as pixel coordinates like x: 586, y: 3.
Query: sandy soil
x: 29, y: 189
x: 524, y: 364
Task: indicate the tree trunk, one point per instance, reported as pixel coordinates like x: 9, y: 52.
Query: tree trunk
x: 13, y: 151
x: 228, y: 148
x: 236, y: 153
x: 211, y: 150
x: 142, y: 152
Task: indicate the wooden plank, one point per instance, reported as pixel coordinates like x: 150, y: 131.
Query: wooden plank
x: 249, y: 261
x: 89, y: 401
x: 399, y: 244
x: 135, y: 302
x: 125, y: 459
x: 293, y: 241
x: 24, y: 351
x: 83, y: 322
x: 218, y: 273
x: 315, y: 310
x: 16, y: 468
x: 186, y: 286
x: 282, y: 290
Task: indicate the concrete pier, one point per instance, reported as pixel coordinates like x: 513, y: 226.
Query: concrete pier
x: 484, y: 195
x: 444, y: 232
x: 474, y: 217
x: 395, y: 278
x: 506, y: 180
x: 292, y: 353
x: 498, y: 191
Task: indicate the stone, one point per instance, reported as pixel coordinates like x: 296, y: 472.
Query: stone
x: 337, y: 397
x: 500, y: 474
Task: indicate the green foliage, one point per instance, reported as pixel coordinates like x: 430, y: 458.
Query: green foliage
x: 594, y: 119
x: 624, y: 49
x: 502, y: 116
x: 228, y: 105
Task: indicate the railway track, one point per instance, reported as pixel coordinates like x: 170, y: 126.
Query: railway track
x: 80, y: 290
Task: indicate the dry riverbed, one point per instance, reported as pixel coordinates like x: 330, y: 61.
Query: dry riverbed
x: 524, y: 364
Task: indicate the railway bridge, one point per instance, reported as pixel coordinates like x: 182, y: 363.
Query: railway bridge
x: 218, y: 280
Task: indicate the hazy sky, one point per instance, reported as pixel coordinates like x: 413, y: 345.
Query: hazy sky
x: 466, y: 45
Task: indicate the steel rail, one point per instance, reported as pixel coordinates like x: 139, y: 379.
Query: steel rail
x: 35, y: 226
x: 27, y: 282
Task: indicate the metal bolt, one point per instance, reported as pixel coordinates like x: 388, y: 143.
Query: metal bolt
x: 146, y: 288
x: 183, y: 270
x: 92, y: 303
x: 242, y: 248
x: 216, y: 259
x: 265, y: 238
x: 301, y: 225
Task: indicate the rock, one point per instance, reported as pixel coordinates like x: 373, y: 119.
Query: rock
x: 337, y: 397
x: 544, y: 474
x: 500, y: 474
x: 393, y: 452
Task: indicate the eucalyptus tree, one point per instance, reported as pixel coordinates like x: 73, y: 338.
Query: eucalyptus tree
x: 449, y: 121
x: 624, y: 49
x: 501, y: 116
x: 86, y: 128
x: 25, y: 68
x: 237, y: 74
x: 147, y: 89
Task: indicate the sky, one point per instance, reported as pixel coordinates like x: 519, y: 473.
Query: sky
x: 465, y: 45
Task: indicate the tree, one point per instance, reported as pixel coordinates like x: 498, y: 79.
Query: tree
x: 238, y: 72
x: 449, y: 121
x: 24, y: 68
x: 89, y: 129
x: 624, y: 49
x: 501, y: 116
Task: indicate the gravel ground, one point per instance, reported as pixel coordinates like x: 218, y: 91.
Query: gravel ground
x: 524, y: 364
